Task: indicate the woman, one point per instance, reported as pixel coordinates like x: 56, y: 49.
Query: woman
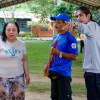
x: 13, y: 64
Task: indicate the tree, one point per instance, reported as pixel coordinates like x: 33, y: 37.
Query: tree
x: 42, y: 8
x: 11, y: 11
x: 95, y: 15
x: 65, y: 7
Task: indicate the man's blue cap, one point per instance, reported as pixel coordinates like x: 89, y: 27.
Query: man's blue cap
x: 61, y: 16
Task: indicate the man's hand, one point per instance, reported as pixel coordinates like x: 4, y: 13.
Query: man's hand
x: 55, y: 51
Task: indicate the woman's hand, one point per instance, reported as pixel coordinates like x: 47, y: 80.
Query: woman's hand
x: 27, y: 77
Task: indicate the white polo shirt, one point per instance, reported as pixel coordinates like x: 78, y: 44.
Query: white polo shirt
x: 91, y: 59
x: 11, y: 55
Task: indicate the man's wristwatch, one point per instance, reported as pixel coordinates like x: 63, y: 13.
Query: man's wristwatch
x: 60, y: 55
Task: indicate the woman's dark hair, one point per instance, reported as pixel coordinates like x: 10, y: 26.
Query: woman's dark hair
x: 4, y: 37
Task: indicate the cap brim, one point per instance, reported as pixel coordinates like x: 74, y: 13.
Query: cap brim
x: 53, y: 18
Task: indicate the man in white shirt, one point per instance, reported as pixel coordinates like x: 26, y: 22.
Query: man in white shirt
x: 91, y: 60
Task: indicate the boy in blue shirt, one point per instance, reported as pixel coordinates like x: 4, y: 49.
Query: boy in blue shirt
x: 63, y: 55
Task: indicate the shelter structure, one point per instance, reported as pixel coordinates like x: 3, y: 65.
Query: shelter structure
x: 92, y: 4
x: 7, y: 3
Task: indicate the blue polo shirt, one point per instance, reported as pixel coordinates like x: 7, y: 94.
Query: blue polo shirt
x: 66, y: 45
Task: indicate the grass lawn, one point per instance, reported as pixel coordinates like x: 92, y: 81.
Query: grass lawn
x: 38, y: 53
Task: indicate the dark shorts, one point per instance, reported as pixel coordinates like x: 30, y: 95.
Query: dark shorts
x: 61, y: 88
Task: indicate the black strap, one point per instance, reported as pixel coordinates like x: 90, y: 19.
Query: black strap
x: 63, y: 38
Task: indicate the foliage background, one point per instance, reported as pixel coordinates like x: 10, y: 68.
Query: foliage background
x: 46, y: 8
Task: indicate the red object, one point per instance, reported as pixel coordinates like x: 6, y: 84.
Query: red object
x: 55, y: 45
x: 46, y: 69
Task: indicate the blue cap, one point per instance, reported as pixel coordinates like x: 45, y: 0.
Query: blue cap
x: 61, y: 16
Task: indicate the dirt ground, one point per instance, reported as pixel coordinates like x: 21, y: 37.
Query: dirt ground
x: 46, y: 96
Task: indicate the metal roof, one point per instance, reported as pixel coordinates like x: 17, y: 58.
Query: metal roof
x: 7, y: 3
x: 92, y: 4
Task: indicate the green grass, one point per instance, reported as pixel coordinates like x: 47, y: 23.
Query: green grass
x: 77, y: 71
x: 39, y: 87
x: 78, y: 89
x: 37, y: 53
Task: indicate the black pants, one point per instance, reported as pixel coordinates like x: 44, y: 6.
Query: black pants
x: 81, y: 46
x: 92, y: 81
x: 61, y: 89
